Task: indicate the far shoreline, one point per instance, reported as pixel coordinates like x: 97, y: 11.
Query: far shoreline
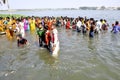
x: 80, y: 8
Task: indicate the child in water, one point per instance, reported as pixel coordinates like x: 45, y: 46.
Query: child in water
x: 21, y: 41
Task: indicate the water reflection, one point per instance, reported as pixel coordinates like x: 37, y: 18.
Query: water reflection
x: 91, y: 45
x: 68, y: 32
x: 46, y: 57
x: 115, y: 37
x: 115, y: 40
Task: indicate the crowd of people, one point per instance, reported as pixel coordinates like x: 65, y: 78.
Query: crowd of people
x: 45, y: 27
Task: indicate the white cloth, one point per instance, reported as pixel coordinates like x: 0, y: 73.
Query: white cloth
x: 55, y: 32
x: 65, y: 22
x: 98, y: 25
x: 56, y: 43
x: 79, y: 23
x: 22, y: 31
x: 17, y: 28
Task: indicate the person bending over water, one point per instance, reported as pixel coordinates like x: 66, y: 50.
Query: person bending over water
x: 21, y: 41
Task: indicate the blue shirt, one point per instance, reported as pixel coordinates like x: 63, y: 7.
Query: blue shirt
x: 116, y: 29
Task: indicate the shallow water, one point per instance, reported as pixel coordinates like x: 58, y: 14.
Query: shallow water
x: 80, y: 57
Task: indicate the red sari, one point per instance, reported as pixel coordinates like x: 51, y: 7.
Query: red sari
x: 68, y: 25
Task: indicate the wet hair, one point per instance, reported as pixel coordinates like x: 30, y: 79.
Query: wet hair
x: 101, y: 20
x: 105, y: 20
x: 92, y: 19
x: 116, y: 23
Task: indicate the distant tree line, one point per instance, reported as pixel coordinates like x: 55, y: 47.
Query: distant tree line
x: 88, y: 8
x: 99, y: 8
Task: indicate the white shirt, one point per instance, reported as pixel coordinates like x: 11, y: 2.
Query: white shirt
x: 79, y: 23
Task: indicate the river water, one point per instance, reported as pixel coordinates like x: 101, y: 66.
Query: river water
x: 80, y: 57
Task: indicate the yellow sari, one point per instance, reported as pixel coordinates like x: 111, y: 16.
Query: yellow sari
x: 32, y: 25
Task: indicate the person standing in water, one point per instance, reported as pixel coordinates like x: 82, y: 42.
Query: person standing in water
x: 68, y: 24
x: 54, y: 40
x: 98, y: 26
x: 79, y: 24
x: 48, y: 39
x: 40, y: 34
x: 26, y: 24
x: 116, y: 27
x: 91, y: 33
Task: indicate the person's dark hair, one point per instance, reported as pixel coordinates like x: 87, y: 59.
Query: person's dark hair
x: 116, y: 23
x: 73, y: 23
x: 101, y: 20
x: 92, y: 19
x: 8, y: 17
x: 94, y: 23
x: 105, y: 20
x: 40, y: 23
x: 87, y: 20
x: 1, y: 18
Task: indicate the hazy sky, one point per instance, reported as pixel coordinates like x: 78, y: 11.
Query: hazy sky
x: 28, y: 4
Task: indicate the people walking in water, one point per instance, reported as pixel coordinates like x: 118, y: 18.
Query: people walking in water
x: 45, y: 27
